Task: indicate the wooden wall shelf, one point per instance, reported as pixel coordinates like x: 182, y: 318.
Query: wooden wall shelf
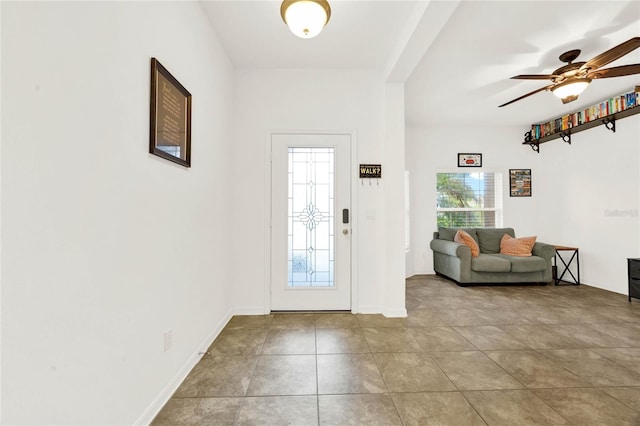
x: 608, y: 121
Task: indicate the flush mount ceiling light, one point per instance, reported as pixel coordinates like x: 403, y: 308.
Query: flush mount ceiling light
x: 305, y: 18
x: 569, y: 89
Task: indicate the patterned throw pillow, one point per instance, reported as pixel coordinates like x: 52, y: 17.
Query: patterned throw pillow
x: 516, y: 246
x: 463, y: 237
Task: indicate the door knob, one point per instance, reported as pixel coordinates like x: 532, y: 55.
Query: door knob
x: 345, y: 231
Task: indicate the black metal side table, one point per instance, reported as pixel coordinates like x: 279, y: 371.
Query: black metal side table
x: 566, y: 265
x: 633, y: 269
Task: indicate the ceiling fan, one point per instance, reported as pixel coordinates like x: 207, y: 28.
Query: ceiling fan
x: 568, y: 81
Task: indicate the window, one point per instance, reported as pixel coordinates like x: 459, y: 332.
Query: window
x: 469, y: 200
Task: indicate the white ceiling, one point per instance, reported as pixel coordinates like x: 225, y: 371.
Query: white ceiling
x: 457, y: 56
x: 360, y: 34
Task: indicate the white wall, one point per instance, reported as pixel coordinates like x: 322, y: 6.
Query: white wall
x: 394, y: 158
x: 311, y: 100
x: 584, y: 194
x: 104, y: 246
x: 591, y: 200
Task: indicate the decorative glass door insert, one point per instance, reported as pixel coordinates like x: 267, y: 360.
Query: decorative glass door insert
x: 311, y: 217
x: 310, y: 232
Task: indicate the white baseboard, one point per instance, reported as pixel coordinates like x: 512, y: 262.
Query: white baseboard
x: 260, y: 310
x: 390, y: 313
x: 423, y: 272
x: 395, y: 313
x: 154, y: 408
x: 367, y: 310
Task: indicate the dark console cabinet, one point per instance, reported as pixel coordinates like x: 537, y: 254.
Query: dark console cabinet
x: 633, y: 266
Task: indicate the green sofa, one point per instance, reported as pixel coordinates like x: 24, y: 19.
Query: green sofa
x: 454, y: 260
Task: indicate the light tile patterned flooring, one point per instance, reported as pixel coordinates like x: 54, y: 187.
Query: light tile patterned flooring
x: 502, y: 355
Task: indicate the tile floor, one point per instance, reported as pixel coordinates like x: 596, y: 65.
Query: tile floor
x: 507, y: 355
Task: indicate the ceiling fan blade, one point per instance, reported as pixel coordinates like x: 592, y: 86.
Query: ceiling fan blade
x: 534, y: 77
x: 612, y: 54
x: 615, y: 71
x: 528, y: 94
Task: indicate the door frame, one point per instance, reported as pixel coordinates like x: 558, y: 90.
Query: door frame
x: 269, y: 199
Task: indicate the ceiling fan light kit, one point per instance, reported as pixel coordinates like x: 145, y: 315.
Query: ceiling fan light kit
x: 570, y: 80
x: 305, y: 18
x: 571, y: 88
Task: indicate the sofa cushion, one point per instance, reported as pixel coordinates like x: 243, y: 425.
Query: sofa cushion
x: 489, y: 238
x: 463, y: 237
x: 525, y: 264
x: 450, y: 233
x: 490, y: 263
x: 517, y: 246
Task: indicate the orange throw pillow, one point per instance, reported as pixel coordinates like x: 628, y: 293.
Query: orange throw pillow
x: 463, y: 237
x: 516, y: 246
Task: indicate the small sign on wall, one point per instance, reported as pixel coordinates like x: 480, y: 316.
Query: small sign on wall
x: 469, y: 160
x: 371, y: 171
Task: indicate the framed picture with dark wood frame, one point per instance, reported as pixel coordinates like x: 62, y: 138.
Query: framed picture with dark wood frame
x: 469, y: 160
x: 520, y: 182
x: 170, y: 123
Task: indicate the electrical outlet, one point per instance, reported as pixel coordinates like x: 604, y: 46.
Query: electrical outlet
x: 168, y: 339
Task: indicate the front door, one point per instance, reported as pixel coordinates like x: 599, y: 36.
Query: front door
x: 310, y: 222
